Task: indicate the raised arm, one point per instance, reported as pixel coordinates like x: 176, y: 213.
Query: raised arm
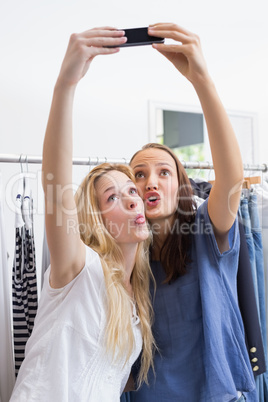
x: 66, y: 249
x: 187, y: 57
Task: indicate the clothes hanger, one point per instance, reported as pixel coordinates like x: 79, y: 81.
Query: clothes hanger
x: 198, y: 177
x: 247, y: 183
x: 19, y: 221
x: 209, y: 172
x: 27, y: 200
x: 253, y: 179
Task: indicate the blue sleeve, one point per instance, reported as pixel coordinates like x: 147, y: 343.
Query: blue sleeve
x: 205, y: 227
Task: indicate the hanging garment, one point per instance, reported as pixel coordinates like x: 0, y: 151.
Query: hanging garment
x: 248, y: 303
x: 250, y: 243
x: 24, y: 282
x: 262, y: 203
x: 248, y: 307
x: 257, y: 240
x: 45, y: 257
x: 261, y: 381
x: 7, y: 374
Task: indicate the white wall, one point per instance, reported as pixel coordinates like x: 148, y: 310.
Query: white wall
x: 111, y: 107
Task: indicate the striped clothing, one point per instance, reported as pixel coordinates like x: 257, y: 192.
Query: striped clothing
x: 24, y: 292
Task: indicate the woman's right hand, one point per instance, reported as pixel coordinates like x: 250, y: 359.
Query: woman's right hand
x: 82, y: 49
x: 67, y: 251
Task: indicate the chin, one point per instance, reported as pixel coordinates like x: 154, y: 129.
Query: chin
x: 154, y: 215
x: 143, y: 235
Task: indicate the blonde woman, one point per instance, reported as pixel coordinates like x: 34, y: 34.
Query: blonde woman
x: 94, y: 316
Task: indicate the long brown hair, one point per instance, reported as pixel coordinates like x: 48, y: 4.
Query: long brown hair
x: 119, y: 334
x: 174, y: 254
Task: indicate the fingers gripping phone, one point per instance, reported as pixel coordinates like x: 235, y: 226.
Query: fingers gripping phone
x: 139, y: 37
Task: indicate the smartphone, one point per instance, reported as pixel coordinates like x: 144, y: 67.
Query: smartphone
x: 139, y: 37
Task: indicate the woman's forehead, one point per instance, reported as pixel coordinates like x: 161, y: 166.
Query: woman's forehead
x: 152, y: 155
x: 112, y: 179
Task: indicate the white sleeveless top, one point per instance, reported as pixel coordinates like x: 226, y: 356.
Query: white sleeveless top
x: 66, y: 357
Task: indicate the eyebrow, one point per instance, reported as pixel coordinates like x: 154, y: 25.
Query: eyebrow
x: 157, y: 164
x: 113, y: 188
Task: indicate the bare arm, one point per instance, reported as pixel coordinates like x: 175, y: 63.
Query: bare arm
x: 66, y: 248
x: 130, y: 385
x: 225, y: 194
x: 187, y: 57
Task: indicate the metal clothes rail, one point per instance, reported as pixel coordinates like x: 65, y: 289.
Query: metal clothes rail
x: 24, y: 159
x: 93, y: 161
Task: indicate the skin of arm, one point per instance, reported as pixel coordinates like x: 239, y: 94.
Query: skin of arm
x: 188, y: 58
x: 130, y: 385
x: 67, y: 251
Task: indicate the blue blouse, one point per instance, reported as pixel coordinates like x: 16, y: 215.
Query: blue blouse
x: 198, y: 328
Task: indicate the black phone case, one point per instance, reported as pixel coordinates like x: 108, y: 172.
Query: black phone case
x: 139, y: 37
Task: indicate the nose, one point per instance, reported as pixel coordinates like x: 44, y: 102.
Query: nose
x: 151, y: 186
x: 133, y: 205
x: 131, y: 202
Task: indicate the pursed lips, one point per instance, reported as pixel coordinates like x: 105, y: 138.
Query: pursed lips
x: 140, y: 219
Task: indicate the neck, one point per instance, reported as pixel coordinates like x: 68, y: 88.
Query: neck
x: 161, y: 228
x: 129, y: 252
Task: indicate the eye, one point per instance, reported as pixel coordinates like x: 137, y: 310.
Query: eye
x: 165, y: 172
x: 139, y: 175
x: 133, y: 190
x: 113, y: 197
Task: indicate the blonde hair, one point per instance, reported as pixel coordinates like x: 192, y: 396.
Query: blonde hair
x: 119, y: 333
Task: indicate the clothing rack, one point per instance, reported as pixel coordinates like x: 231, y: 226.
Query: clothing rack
x: 89, y: 161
